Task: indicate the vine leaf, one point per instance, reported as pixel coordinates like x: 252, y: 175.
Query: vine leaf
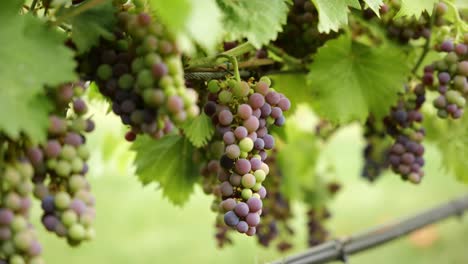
x: 189, y: 20
x: 451, y: 140
x: 416, y: 7
x: 92, y: 24
x: 349, y: 79
x: 374, y: 5
x: 167, y: 161
x: 297, y: 160
x: 33, y: 55
x: 257, y: 20
x: 199, y: 130
x: 333, y: 14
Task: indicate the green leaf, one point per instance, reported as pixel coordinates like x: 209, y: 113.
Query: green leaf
x: 167, y: 161
x: 257, y: 20
x: 333, y: 14
x: 415, y: 7
x: 374, y: 5
x: 197, y: 20
x: 294, y: 86
x: 349, y: 79
x: 33, y: 55
x: 92, y: 24
x: 451, y: 138
x: 297, y: 161
x: 199, y: 130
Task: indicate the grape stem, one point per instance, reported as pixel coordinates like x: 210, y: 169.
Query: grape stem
x: 288, y: 59
x: 33, y: 7
x: 460, y: 23
x: 76, y: 11
x: 425, y: 48
x: 210, y: 62
x: 234, y: 63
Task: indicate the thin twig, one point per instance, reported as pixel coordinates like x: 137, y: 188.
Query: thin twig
x: 288, y: 59
x: 78, y: 10
x: 425, y: 48
x: 210, y: 62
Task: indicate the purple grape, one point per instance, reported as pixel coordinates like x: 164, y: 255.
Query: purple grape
x: 265, y: 110
x: 244, y: 111
x: 241, y: 209
x: 262, y: 192
x: 50, y: 222
x: 6, y: 216
x: 241, y: 132
x: 79, y: 106
x: 273, y: 98
x: 34, y: 249
x: 225, y: 117
x: 269, y: 141
x: 280, y: 121
x: 252, y: 219
x: 5, y: 233
x: 48, y: 204
x: 242, y: 166
x: 226, y: 162
x: 231, y: 219
x: 256, y: 100
x: 175, y: 104
x: 251, y: 124
x: 73, y: 139
x: 447, y: 46
x: 254, y: 204
x: 52, y: 149
x: 35, y: 155
x: 235, y: 179
x: 251, y: 231
x: 228, y: 204
x: 78, y: 206
x: 210, y: 108
x: 89, y: 125
x: 159, y: 70
x: 284, y: 104
x: 444, y: 78
x: 242, y: 227
x: 255, y: 164
x: 233, y: 151
x: 229, y: 138
x: 226, y: 189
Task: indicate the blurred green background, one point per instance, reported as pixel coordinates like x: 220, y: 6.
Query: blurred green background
x: 136, y: 224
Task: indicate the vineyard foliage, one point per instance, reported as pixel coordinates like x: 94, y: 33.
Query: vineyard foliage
x: 205, y: 90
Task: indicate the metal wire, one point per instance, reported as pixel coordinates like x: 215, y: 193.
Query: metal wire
x: 341, y: 249
x: 208, y: 75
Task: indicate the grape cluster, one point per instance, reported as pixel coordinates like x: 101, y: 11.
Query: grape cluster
x: 404, y: 29
x: 317, y: 232
x: 141, y: 72
x: 376, y: 149
x: 404, y: 125
x: 60, y: 168
x: 242, y: 113
x: 18, y: 239
x: 449, y: 77
x: 300, y: 36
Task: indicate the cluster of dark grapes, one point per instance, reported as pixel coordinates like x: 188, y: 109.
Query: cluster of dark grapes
x: 60, y: 168
x: 317, y: 216
x: 449, y: 77
x: 242, y: 112
x: 276, y: 210
x: 18, y: 239
x: 142, y: 74
x: 404, y: 125
x: 405, y: 29
x: 376, y: 149
x: 300, y: 36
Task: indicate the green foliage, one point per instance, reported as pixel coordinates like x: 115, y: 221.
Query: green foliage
x: 169, y: 163
x: 257, y: 20
x: 297, y: 160
x: 349, y: 79
x: 199, y: 130
x: 92, y: 24
x: 27, y: 48
x: 451, y: 140
x: 186, y: 18
x: 416, y: 7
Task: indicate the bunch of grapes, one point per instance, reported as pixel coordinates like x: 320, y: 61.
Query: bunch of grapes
x: 316, y: 217
x: 300, y: 36
x: 376, y: 149
x: 404, y: 29
x: 18, y: 239
x: 449, y: 77
x: 404, y: 125
x: 276, y: 211
x: 141, y: 72
x: 242, y: 112
x: 60, y: 168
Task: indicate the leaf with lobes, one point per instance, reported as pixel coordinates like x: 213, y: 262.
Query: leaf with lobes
x: 33, y: 55
x: 199, y: 130
x: 168, y: 162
